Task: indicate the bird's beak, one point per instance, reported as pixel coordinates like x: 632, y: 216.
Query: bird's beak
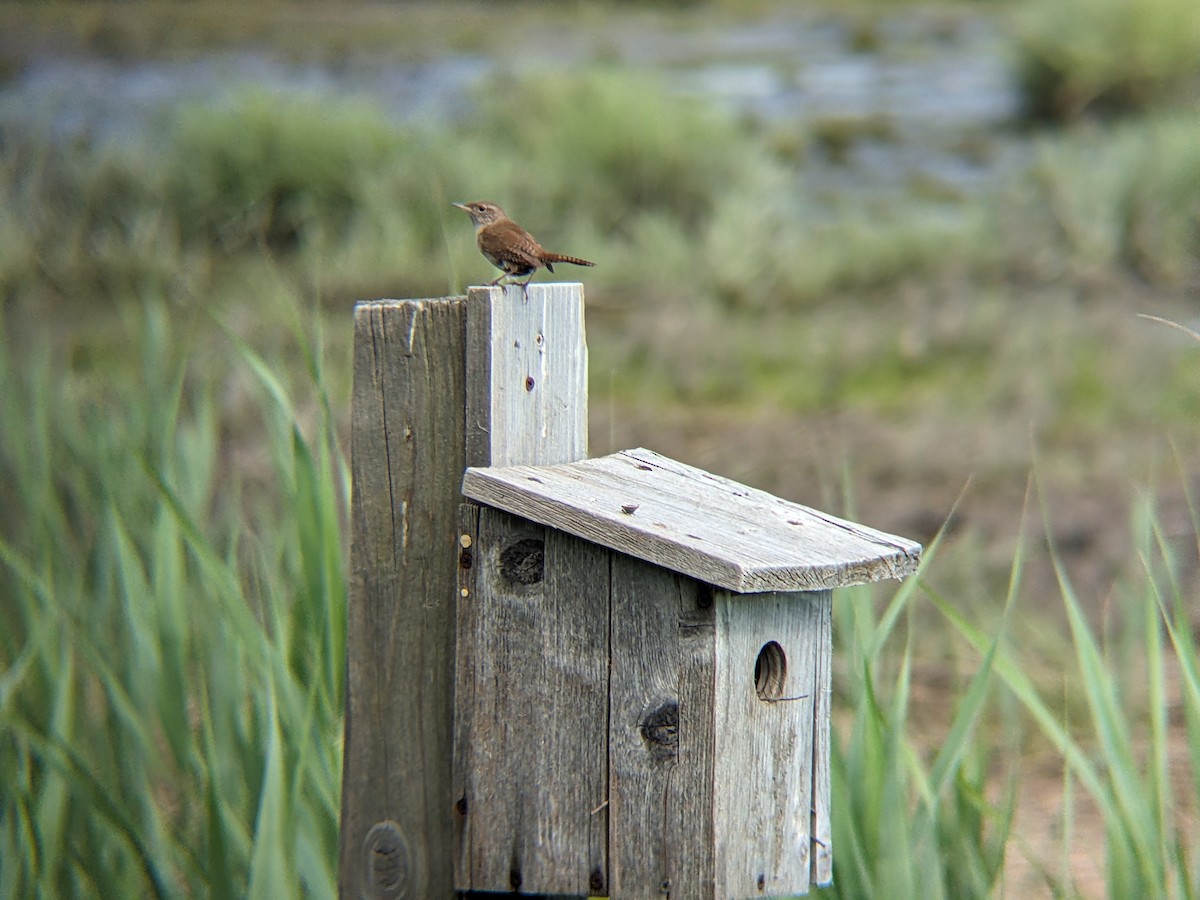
x: 461, y: 206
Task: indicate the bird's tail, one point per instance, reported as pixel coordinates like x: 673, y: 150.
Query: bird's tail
x: 558, y: 257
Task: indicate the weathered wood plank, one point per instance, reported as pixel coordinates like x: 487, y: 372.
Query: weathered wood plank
x: 690, y: 797
x: 533, y: 696
x: 822, y: 826
x: 526, y: 375
x: 713, y: 529
x: 661, y: 734
x: 766, y: 657
x: 464, y: 685
x: 407, y: 459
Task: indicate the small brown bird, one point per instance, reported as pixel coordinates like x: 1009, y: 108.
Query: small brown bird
x: 509, y: 247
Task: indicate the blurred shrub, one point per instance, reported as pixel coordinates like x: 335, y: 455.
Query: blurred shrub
x: 82, y: 219
x: 614, y: 147
x: 673, y: 197
x: 1119, y: 198
x: 1076, y: 56
x: 785, y: 249
x: 268, y: 167
x: 317, y: 182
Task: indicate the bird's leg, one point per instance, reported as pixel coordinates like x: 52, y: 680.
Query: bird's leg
x: 525, y: 284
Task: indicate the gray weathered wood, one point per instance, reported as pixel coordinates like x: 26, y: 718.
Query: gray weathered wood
x: 683, y: 518
x: 661, y: 734
x: 531, y: 763
x: 602, y: 731
x: 822, y: 826
x: 406, y: 462
x: 526, y: 402
x: 765, y: 748
x: 526, y: 375
x: 526, y: 366
x: 464, y: 684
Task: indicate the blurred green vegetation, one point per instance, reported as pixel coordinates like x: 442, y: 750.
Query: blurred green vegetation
x: 174, y: 371
x: 172, y: 633
x: 1075, y: 57
x: 675, y: 195
x: 677, y: 201
x: 945, y: 821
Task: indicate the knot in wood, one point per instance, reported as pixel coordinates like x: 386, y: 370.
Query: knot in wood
x: 660, y: 730
x: 523, y: 562
x: 389, y: 871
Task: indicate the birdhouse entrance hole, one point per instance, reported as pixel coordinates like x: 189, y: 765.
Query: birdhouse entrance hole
x: 770, y: 670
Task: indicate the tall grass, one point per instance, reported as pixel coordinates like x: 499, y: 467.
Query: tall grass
x: 899, y: 818
x: 1127, y: 759
x: 171, y: 635
x: 937, y: 818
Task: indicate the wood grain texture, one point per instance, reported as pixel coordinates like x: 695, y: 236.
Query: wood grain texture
x: 407, y: 459
x: 764, y: 741
x: 822, y: 826
x: 713, y: 529
x: 533, y: 699
x: 526, y: 375
x: 464, y: 685
x: 661, y: 734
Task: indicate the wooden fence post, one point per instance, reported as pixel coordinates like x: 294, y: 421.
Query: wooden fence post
x: 497, y: 378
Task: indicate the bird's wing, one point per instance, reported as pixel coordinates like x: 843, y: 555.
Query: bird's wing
x: 514, y: 245
x: 521, y: 255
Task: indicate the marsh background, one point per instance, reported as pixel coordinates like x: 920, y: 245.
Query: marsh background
x: 886, y: 259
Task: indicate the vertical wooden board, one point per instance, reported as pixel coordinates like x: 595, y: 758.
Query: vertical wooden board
x: 533, y: 759
x: 464, y: 685
x: 822, y: 825
x: 526, y: 375
x: 406, y: 469
x: 660, y: 734
x: 767, y: 651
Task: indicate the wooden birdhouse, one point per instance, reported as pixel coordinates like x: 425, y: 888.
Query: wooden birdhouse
x: 634, y: 654
x: 643, y: 680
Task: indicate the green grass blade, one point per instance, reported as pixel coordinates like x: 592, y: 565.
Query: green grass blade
x: 271, y: 872
x: 1132, y: 818
x: 65, y: 760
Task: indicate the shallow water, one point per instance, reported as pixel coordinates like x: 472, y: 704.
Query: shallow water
x: 919, y: 95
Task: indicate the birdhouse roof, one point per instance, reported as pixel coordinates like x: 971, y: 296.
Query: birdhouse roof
x: 705, y: 526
